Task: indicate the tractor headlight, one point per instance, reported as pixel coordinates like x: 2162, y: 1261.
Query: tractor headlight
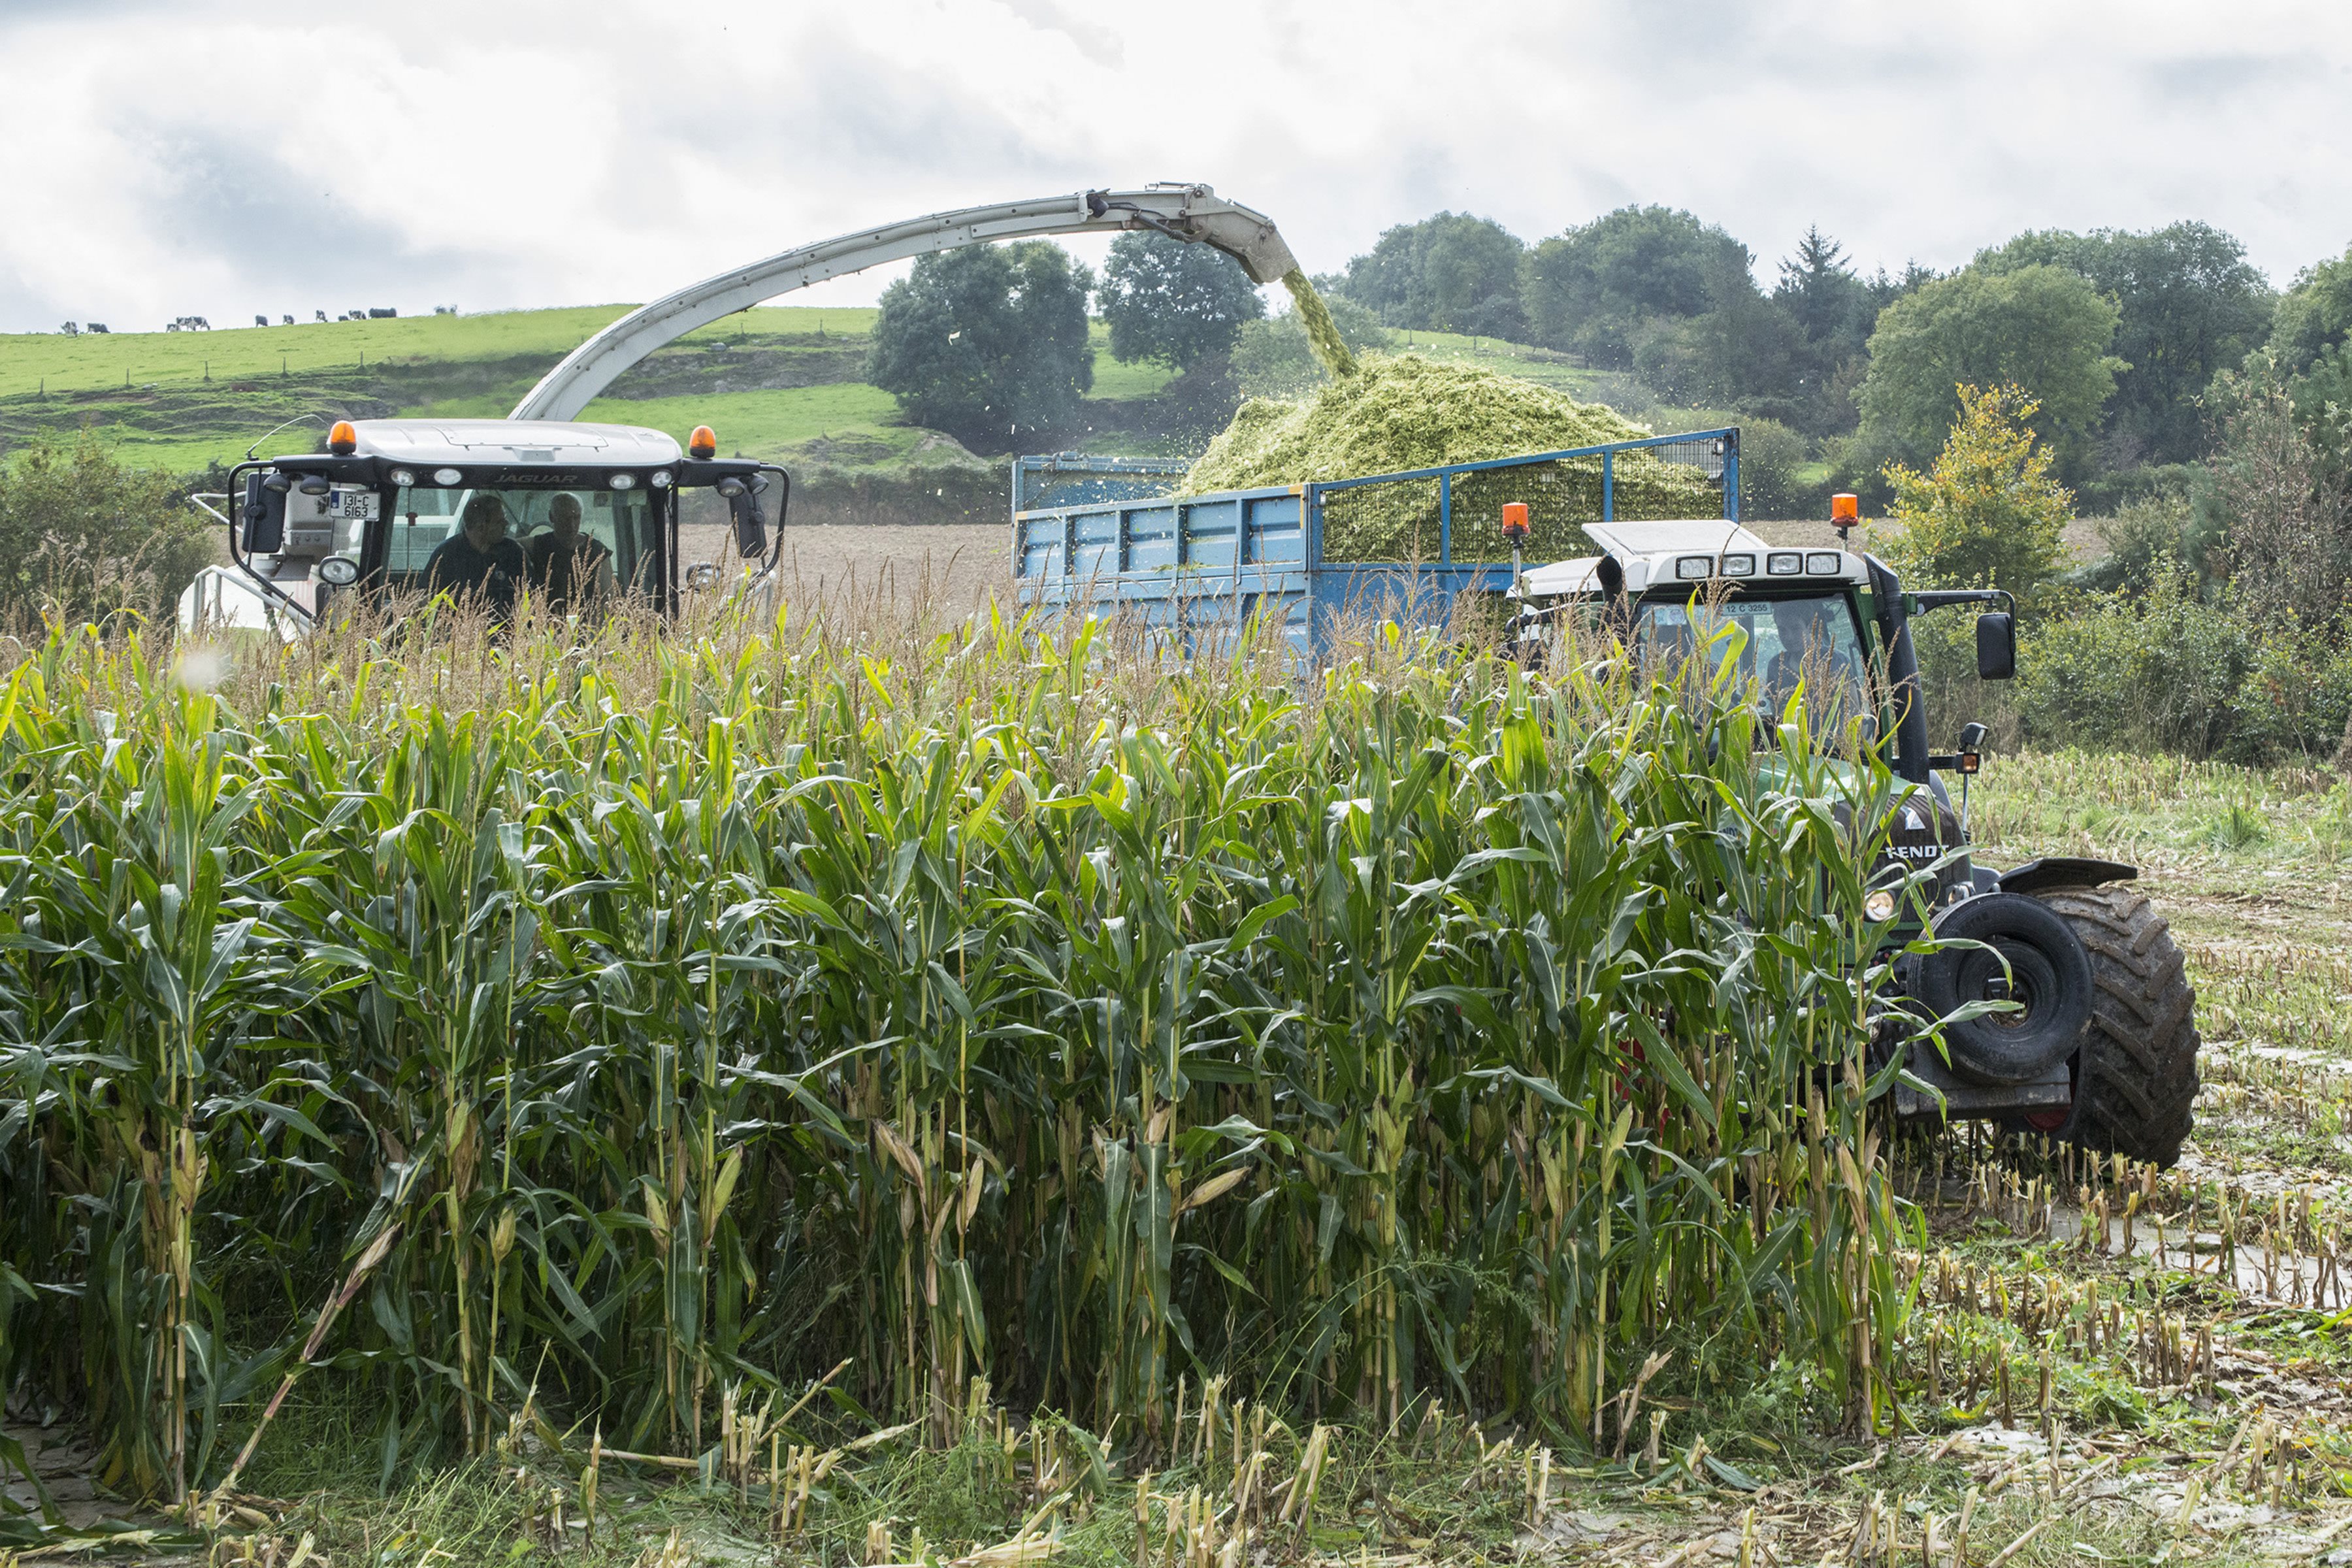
x: 1824, y: 563
x: 623, y: 481
x: 1879, y: 906
x: 1693, y: 568
x: 1739, y: 566
x: 447, y: 477
x: 1784, y: 563
x: 659, y: 479
x: 403, y: 478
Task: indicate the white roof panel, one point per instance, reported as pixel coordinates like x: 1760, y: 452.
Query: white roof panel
x: 1711, y: 535
x: 512, y: 441
x: 1563, y: 577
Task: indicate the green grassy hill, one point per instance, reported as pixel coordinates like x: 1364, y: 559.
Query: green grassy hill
x: 778, y: 381
x: 783, y: 383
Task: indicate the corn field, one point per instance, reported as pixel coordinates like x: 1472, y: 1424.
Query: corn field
x: 653, y: 1021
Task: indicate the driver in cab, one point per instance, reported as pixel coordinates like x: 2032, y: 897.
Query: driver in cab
x: 479, y: 559
x: 568, y: 568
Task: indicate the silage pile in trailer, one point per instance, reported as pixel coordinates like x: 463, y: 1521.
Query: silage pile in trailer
x: 1406, y: 412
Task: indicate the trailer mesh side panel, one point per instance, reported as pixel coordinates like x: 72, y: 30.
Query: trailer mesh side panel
x: 1397, y: 521
x: 1394, y: 520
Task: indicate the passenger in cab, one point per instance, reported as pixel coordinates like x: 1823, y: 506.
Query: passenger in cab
x: 571, y: 569
x: 479, y: 559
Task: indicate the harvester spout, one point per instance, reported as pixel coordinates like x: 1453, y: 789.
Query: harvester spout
x: 1197, y: 215
x: 1194, y: 214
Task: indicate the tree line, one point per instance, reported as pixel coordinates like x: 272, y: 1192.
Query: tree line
x: 2118, y: 337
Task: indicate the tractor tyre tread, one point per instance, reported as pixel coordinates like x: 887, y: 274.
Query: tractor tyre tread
x: 2136, y: 1077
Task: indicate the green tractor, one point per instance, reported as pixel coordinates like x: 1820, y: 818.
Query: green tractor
x: 2100, y: 1047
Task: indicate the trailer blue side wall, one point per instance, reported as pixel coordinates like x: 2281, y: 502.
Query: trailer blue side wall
x: 1203, y: 566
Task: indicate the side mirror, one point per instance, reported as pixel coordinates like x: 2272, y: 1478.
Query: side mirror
x: 264, y: 515
x: 750, y: 527
x: 1995, y: 645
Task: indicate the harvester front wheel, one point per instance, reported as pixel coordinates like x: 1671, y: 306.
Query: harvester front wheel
x: 2135, y: 1070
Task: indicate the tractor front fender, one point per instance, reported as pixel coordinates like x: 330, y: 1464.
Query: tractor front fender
x: 2056, y: 871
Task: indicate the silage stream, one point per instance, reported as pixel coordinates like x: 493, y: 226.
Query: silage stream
x: 1322, y: 331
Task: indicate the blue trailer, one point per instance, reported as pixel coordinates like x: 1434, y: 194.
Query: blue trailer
x: 1401, y: 546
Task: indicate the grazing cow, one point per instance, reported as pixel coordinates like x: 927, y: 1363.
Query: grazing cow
x: 261, y: 320
x: 71, y: 330
x: 322, y: 315
x: 287, y: 321
x: 95, y: 327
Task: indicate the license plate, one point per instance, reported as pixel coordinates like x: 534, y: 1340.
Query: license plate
x: 354, y: 506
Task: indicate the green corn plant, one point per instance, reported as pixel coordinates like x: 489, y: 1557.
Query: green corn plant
x: 709, y: 1011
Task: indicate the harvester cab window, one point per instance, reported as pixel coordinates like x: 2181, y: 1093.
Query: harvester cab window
x: 1781, y: 644
x: 620, y: 524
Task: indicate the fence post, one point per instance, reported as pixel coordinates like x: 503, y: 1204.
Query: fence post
x: 1609, y: 485
x: 1446, y: 520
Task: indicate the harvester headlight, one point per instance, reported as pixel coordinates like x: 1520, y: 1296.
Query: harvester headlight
x: 623, y: 481
x: 1879, y: 906
x: 1784, y: 563
x: 1693, y: 568
x: 1824, y: 564
x: 403, y: 478
x: 340, y: 570
x: 1739, y: 566
x: 447, y: 477
x: 659, y: 479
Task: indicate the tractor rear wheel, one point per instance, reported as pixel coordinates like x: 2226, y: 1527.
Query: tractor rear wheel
x: 2136, y: 1072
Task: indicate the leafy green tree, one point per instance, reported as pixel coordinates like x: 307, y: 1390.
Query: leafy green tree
x: 2284, y: 512
x: 1988, y: 512
x: 1745, y: 348
x: 2190, y: 306
x: 1450, y: 273
x: 82, y: 534
x: 1770, y: 456
x: 1591, y: 290
x: 2314, y: 315
x: 2040, y: 328
x: 986, y: 341
x: 1180, y: 304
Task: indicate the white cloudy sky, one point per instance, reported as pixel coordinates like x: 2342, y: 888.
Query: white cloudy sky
x: 223, y: 159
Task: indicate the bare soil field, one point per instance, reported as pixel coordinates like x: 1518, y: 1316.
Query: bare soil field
x: 951, y: 568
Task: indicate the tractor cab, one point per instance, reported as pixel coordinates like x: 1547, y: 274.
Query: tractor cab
x: 581, y: 519
x: 1828, y: 622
